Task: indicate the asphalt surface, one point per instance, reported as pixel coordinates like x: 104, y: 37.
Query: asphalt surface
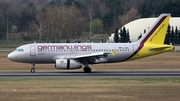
x: 94, y: 74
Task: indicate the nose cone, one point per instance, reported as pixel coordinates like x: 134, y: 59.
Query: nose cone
x: 11, y: 56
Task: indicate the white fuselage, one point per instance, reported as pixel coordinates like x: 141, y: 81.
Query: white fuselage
x: 49, y: 52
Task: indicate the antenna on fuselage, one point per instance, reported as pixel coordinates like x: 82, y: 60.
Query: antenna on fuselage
x: 34, y: 42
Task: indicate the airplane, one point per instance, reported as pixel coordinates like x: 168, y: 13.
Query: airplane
x: 74, y: 55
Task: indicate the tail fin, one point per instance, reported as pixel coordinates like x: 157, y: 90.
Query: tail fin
x: 157, y: 32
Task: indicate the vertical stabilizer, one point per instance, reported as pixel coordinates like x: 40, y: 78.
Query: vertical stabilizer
x: 157, y: 32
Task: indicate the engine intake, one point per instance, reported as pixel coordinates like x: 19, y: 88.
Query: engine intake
x: 67, y: 64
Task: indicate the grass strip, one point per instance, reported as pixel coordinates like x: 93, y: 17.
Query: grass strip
x: 101, y: 89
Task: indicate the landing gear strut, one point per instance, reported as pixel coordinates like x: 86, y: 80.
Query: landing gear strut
x: 33, y: 68
x: 87, y: 69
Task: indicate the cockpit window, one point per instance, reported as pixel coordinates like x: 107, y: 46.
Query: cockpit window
x: 19, y: 50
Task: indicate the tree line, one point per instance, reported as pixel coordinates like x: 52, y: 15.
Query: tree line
x: 123, y: 36
x: 54, y: 20
x: 172, y: 36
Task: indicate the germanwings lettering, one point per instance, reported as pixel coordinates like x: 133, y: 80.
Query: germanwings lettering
x: 62, y: 47
x: 157, y: 32
x: 70, y: 47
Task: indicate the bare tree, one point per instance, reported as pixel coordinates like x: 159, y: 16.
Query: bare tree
x: 132, y: 14
x: 64, y: 22
x: 39, y: 24
x: 90, y: 9
x: 103, y: 9
x: 77, y: 22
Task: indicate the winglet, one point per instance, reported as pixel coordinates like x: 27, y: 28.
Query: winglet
x: 112, y: 53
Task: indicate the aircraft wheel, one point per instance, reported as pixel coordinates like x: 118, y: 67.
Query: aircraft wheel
x: 32, y: 70
x: 87, y: 69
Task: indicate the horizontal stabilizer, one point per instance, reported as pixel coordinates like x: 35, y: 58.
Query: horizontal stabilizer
x: 161, y: 47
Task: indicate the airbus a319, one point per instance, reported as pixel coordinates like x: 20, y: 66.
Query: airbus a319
x: 74, y: 55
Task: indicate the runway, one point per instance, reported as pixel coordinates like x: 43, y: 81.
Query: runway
x: 94, y: 74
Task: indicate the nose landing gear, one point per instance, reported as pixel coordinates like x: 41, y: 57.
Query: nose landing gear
x: 33, y: 68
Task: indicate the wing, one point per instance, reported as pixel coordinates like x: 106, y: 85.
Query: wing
x: 92, y: 58
x: 96, y: 54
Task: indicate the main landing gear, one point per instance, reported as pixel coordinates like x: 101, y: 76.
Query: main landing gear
x: 33, y: 68
x: 87, y: 69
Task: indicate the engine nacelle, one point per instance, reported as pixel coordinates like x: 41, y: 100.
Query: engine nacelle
x: 67, y: 64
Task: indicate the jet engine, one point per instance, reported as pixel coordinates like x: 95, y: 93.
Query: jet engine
x: 67, y: 64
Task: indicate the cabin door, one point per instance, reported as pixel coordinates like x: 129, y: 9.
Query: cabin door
x: 135, y: 48
x: 33, y: 50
